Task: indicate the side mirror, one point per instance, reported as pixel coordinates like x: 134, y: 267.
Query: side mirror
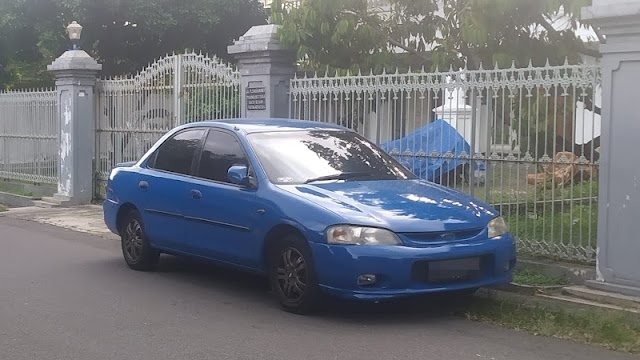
x: 239, y: 175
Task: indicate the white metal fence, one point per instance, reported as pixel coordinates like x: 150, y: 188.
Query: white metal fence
x: 525, y: 140
x: 28, y: 136
x: 134, y: 112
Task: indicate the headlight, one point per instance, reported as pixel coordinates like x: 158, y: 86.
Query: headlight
x: 497, y: 227
x: 357, y: 235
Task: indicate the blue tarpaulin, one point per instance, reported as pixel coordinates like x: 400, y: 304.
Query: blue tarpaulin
x: 438, y: 137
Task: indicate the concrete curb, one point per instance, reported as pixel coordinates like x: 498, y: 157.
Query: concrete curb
x: 13, y: 200
x: 552, y: 301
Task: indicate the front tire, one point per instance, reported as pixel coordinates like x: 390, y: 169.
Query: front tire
x: 292, y: 275
x: 137, y: 252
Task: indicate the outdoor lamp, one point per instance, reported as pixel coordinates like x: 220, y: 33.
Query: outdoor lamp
x: 74, y: 30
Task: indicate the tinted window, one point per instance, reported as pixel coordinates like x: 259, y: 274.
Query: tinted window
x: 301, y: 156
x: 221, y: 151
x: 176, y: 154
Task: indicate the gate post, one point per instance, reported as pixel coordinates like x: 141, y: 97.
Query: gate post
x: 619, y: 195
x: 266, y: 69
x: 75, y: 72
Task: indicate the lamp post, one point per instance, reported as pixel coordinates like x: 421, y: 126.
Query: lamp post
x: 74, y: 30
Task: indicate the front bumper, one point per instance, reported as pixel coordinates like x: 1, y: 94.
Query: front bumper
x: 398, y: 269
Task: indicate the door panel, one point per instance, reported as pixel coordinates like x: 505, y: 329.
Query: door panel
x: 164, y: 209
x: 222, y: 223
x: 223, y: 218
x: 166, y: 189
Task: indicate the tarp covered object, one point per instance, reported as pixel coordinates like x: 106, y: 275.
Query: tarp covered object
x: 439, y: 137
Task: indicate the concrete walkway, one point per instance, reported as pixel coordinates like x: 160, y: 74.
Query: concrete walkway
x: 86, y: 219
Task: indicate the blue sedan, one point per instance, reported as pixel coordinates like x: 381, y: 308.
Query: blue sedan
x: 315, y: 207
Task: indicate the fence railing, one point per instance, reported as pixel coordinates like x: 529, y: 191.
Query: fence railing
x: 29, y: 136
x: 525, y: 140
x: 134, y: 112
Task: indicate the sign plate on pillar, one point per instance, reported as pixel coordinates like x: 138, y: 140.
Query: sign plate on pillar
x: 256, y: 98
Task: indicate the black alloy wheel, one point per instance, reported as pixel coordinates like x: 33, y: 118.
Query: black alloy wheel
x: 292, y: 275
x: 138, y: 253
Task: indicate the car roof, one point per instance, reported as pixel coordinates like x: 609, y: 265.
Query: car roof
x: 249, y: 126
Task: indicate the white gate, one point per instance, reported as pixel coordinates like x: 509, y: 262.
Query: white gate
x: 29, y: 136
x: 134, y: 112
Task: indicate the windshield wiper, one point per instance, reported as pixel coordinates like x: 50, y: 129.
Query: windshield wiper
x: 340, y: 176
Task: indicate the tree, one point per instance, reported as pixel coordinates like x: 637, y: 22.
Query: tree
x: 124, y: 36
x: 352, y: 33
x: 338, y: 33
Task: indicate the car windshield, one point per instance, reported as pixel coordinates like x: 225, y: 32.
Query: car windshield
x: 297, y: 157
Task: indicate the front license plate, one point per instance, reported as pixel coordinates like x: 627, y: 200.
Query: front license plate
x: 454, y: 270
x: 472, y: 264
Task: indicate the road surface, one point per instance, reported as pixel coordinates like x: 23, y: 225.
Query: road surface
x: 66, y: 295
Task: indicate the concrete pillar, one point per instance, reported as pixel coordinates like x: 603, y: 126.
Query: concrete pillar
x: 75, y: 72
x: 619, y: 196
x: 266, y: 69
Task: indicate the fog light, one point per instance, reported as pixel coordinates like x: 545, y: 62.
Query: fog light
x: 366, y: 279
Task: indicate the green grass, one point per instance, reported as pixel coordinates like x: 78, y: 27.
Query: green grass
x: 14, y: 190
x: 560, y: 222
x: 528, y: 194
x: 608, y: 329
x: 2, y: 208
x: 576, y: 225
x: 534, y: 278
x: 577, y: 190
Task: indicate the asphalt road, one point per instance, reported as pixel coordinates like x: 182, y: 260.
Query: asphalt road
x: 66, y: 295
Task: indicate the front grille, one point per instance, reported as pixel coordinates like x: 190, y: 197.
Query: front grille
x: 437, y: 237
x: 452, y: 270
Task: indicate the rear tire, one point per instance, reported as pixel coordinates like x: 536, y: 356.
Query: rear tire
x: 292, y: 275
x: 137, y: 252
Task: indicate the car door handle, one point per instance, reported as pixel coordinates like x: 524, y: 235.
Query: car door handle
x: 143, y: 185
x: 196, y: 194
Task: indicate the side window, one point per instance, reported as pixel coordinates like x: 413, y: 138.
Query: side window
x: 221, y: 151
x: 176, y: 154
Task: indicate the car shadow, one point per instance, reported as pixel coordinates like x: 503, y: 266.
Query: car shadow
x: 212, y: 275
x: 255, y: 288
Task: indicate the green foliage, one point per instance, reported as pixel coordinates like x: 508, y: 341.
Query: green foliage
x: 609, y: 329
x: 124, y: 36
x: 199, y: 106
x: 574, y: 224
x: 534, y: 278
x: 350, y: 34
x: 15, y: 190
x: 336, y: 33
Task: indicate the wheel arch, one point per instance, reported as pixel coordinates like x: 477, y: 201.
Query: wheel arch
x: 122, y: 212
x: 276, y: 233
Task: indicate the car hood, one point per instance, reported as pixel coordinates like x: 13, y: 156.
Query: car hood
x: 399, y: 205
